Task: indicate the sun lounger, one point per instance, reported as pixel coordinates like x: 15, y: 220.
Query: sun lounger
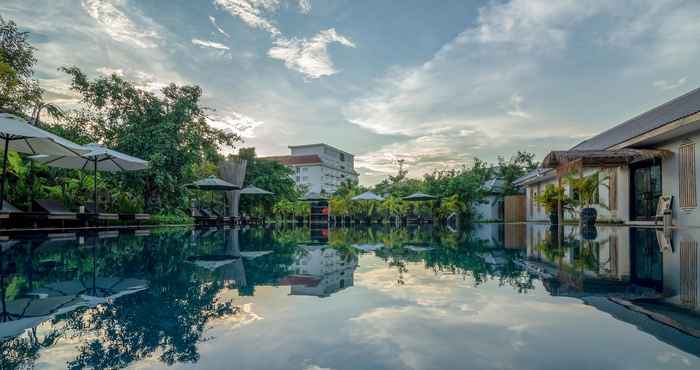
x: 219, y: 216
x: 138, y: 217
x: 100, y: 216
x: 201, y: 216
x: 54, y: 210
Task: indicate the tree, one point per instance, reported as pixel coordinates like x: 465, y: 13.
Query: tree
x: 269, y: 175
x: 168, y: 130
x: 18, y: 89
x: 517, y: 166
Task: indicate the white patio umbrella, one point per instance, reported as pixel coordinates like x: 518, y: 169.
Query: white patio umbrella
x: 100, y: 159
x: 17, y: 134
x: 368, y: 195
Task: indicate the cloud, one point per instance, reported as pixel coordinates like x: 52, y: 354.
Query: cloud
x: 514, y: 80
x: 239, y: 123
x: 218, y: 28
x: 309, y: 56
x: 119, y: 26
x: 252, y: 12
x: 210, y: 44
x: 106, y: 71
x: 305, y: 6
x: 669, y: 85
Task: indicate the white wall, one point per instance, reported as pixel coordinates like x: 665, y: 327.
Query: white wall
x: 488, y: 209
x: 670, y: 180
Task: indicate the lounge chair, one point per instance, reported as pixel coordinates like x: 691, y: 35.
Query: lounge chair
x: 663, y: 208
x: 219, y: 216
x: 100, y: 216
x: 54, y: 210
x: 138, y: 217
x: 201, y: 216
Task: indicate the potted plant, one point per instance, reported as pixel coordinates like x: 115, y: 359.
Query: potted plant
x: 586, y: 189
x: 550, y: 199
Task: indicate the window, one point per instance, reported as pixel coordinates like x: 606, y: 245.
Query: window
x: 342, y: 157
x: 686, y: 176
x: 305, y: 169
x: 612, y: 189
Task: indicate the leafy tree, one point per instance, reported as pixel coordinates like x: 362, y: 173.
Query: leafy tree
x: 168, y: 130
x: 18, y: 89
x: 269, y: 175
x: 517, y: 166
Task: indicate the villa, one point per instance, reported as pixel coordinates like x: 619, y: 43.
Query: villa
x: 638, y: 161
x: 319, y: 167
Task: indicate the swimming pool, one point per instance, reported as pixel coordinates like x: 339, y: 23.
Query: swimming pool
x: 490, y: 297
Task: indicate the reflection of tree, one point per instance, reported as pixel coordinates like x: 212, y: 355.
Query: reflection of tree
x: 168, y: 318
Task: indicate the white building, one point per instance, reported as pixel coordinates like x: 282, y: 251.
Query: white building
x: 491, y: 207
x: 639, y: 160
x: 319, y: 167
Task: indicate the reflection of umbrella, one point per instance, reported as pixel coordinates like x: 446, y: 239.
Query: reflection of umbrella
x: 95, y: 290
x: 20, y: 136
x: 418, y: 249
x: 368, y: 195
x: 254, y: 190
x: 25, y: 313
x: 254, y: 254
x: 419, y: 197
x: 368, y: 247
x: 100, y: 159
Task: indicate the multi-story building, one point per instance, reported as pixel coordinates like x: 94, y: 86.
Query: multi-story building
x: 319, y: 167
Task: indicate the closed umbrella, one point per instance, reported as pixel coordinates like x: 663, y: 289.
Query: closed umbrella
x: 100, y: 159
x: 17, y: 134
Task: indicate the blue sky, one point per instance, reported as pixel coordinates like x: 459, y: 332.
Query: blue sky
x: 433, y: 82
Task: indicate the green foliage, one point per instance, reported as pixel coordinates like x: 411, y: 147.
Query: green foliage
x: 269, y: 175
x: 18, y: 89
x: 169, y: 130
x: 585, y: 189
x: 551, y: 197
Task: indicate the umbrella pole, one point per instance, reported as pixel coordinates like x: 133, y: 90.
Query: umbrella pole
x: 4, y: 173
x: 94, y: 185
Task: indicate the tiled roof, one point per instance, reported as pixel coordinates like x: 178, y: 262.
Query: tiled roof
x: 673, y: 110
x: 291, y: 160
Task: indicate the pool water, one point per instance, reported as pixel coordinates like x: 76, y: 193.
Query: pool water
x: 490, y: 297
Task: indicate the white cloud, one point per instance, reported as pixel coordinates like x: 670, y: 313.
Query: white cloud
x: 209, y: 44
x: 516, y: 107
x: 107, y: 71
x: 241, y: 124
x: 309, y: 56
x: 218, y: 28
x: 252, y: 12
x: 669, y: 85
x: 305, y: 6
x: 119, y: 26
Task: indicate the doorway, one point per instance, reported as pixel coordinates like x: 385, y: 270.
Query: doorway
x: 646, y: 190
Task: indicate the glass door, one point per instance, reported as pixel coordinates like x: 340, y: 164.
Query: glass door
x: 646, y: 190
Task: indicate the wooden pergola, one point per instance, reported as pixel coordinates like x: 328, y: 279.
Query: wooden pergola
x: 568, y: 161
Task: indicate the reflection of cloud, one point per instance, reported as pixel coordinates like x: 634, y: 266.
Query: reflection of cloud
x: 309, y: 56
x: 245, y: 316
x: 118, y: 25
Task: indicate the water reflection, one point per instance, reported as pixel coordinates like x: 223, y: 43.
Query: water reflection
x: 110, y: 300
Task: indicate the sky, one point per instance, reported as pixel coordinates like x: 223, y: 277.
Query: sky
x: 435, y: 83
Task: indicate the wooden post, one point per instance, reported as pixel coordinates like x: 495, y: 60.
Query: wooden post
x: 560, y: 209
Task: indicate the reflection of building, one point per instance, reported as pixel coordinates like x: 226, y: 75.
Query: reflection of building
x: 319, y: 167
x: 655, y: 273
x: 321, y: 271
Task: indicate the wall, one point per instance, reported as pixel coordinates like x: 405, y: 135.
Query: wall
x: 670, y: 180
x: 488, y: 209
